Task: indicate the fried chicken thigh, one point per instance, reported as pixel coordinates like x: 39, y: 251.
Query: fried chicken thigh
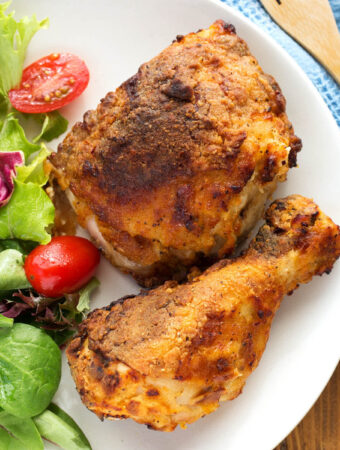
x: 168, y: 356
x: 176, y: 165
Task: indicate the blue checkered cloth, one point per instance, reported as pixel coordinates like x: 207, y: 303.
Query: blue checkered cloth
x: 326, y: 85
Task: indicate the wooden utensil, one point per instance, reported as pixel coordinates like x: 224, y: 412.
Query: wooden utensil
x: 312, y: 24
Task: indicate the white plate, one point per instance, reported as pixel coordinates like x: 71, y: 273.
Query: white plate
x: 115, y: 37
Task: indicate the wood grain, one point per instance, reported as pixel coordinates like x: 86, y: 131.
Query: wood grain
x: 320, y: 429
x: 312, y: 24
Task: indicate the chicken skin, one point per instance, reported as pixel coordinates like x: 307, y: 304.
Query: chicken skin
x: 175, y: 166
x: 168, y: 356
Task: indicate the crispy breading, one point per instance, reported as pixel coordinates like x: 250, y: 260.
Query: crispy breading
x: 176, y: 165
x: 169, y: 356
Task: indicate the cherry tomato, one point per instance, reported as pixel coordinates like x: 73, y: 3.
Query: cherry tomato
x: 62, y: 266
x: 50, y: 83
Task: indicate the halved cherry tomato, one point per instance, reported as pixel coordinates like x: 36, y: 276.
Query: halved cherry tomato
x: 62, y: 266
x: 50, y: 83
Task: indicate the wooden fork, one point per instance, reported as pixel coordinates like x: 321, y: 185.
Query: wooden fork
x: 312, y: 24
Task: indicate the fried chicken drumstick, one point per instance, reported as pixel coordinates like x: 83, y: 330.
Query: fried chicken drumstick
x: 176, y: 165
x: 167, y: 357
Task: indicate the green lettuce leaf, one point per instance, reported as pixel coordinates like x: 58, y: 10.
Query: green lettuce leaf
x: 27, y: 215
x: 30, y: 370
x: 34, y: 172
x: 14, y: 39
x: 84, y: 295
x: 8, y: 442
x: 6, y: 322
x: 18, y: 434
x: 58, y: 427
x: 12, y: 138
x: 4, y: 104
x: 24, y: 247
x: 53, y: 125
x: 12, y: 271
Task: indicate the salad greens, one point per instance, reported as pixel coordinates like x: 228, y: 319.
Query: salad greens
x: 23, y: 247
x: 18, y: 433
x: 84, y: 295
x: 52, y: 124
x: 58, y: 317
x: 12, y: 137
x: 14, y: 39
x: 8, y: 163
x: 26, y: 211
x: 11, y: 262
x: 27, y: 214
x: 34, y: 172
x: 58, y: 427
x: 53, y: 424
x: 30, y: 360
x: 5, y: 322
x: 30, y: 364
x: 30, y: 370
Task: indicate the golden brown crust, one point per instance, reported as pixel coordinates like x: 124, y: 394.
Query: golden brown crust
x: 196, y: 343
x: 164, y: 162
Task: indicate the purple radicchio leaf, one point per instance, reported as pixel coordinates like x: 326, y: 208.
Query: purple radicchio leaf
x: 8, y: 161
x: 44, y: 310
x: 3, y: 306
x: 58, y: 317
x: 12, y: 310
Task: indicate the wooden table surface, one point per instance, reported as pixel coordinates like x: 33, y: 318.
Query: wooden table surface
x: 320, y: 429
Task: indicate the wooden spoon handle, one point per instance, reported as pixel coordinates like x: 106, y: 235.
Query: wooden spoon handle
x: 312, y: 24
x: 330, y: 58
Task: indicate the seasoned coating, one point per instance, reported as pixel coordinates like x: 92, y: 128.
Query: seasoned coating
x: 176, y: 165
x: 167, y: 357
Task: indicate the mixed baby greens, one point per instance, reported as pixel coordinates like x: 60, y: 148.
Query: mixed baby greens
x: 29, y: 210
x: 30, y: 359
x: 14, y: 39
x: 26, y: 211
x: 30, y: 367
